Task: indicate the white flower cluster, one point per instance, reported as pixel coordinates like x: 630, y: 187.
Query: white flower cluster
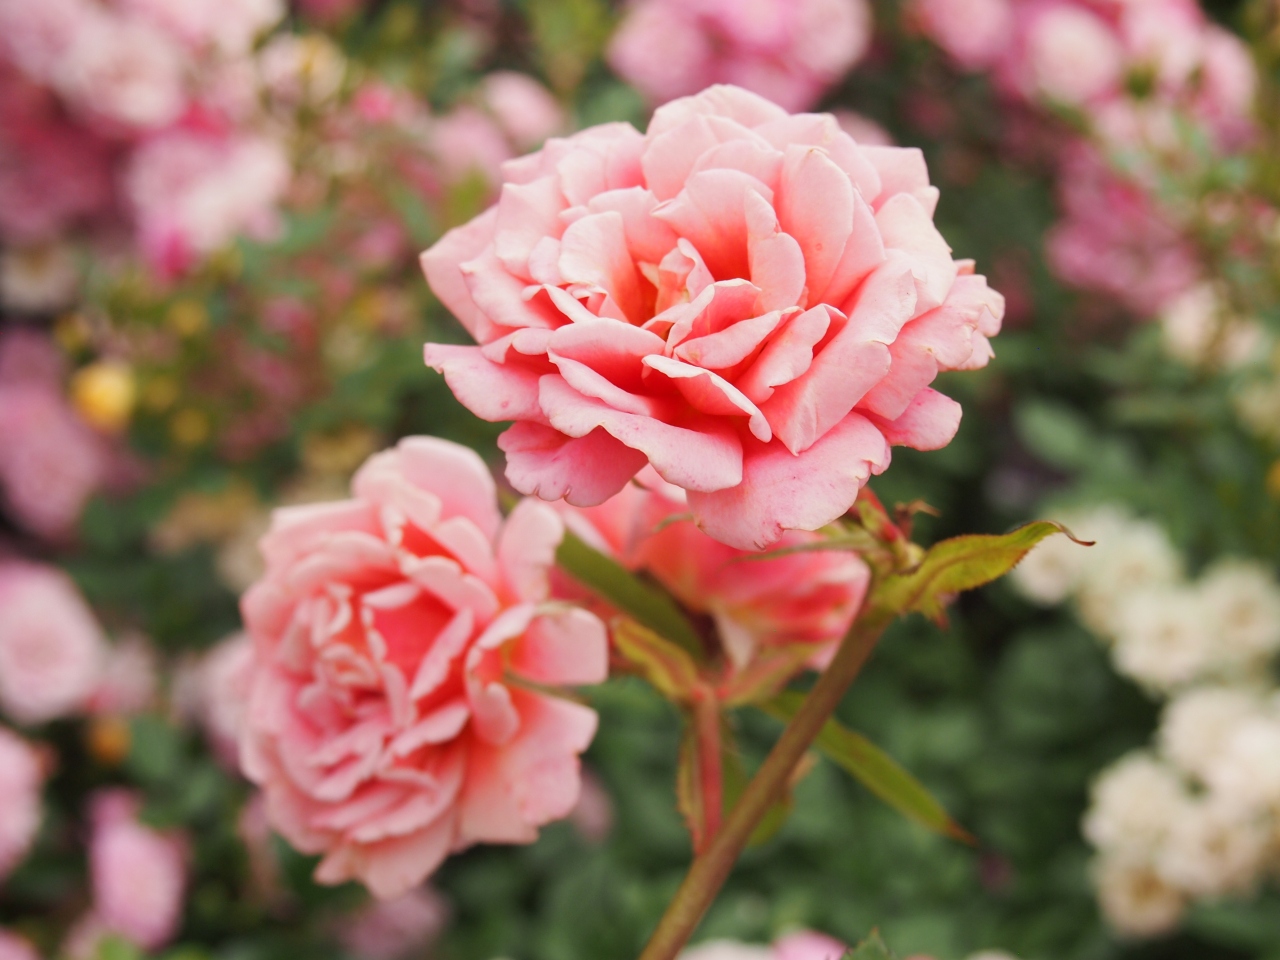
x: 1197, y: 817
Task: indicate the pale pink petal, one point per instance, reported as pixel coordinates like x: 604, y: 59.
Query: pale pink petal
x: 780, y: 491
x: 585, y: 471
x: 566, y: 646
x: 710, y: 393
x: 594, y: 251
x: 906, y: 226
x: 527, y: 214
x: 527, y: 549
x: 710, y: 212
x: 816, y: 205
x: 707, y: 456
x: 491, y: 391
x: 442, y: 265
x: 787, y: 355
x: 929, y: 423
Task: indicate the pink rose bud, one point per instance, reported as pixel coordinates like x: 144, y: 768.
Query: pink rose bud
x: 393, y: 929
x: 790, y: 51
x: 748, y: 301
x: 51, y: 647
x: 382, y: 724
x: 138, y: 873
x: 21, y: 777
x: 800, y: 598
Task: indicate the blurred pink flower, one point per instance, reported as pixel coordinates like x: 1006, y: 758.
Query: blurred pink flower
x: 467, y: 141
x: 393, y: 929
x: 747, y: 300
x: 330, y: 11
x: 800, y: 945
x: 21, y: 778
x: 524, y: 108
x: 51, y: 462
x: 593, y: 814
x: 138, y: 874
x: 29, y: 356
x: 790, y: 51
x: 122, y: 73
x: 129, y: 679
x: 51, y: 647
x: 222, y: 681
x: 14, y: 947
x: 38, y: 36
x: 230, y: 26
x: 1114, y: 238
x: 52, y: 173
x: 194, y: 192
x: 801, y: 598
x: 974, y: 33
x: 380, y: 725
x: 1072, y: 56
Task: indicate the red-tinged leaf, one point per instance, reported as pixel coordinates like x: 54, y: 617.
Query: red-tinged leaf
x: 956, y: 565
x: 614, y: 583
x: 666, y: 666
x: 874, y: 769
x: 768, y: 673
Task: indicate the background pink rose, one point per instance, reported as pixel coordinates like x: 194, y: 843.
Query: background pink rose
x: 381, y: 725
x: 138, y: 874
x: 804, y: 598
x: 14, y: 947
x: 392, y: 929
x: 21, y: 778
x: 749, y: 301
x: 790, y: 51
x: 51, y: 647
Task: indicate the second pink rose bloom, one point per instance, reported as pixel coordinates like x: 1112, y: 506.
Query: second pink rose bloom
x: 749, y: 301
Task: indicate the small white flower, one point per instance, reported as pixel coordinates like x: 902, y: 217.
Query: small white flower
x: 1199, y: 331
x: 1244, y: 603
x: 1138, y: 555
x: 1136, y: 900
x: 1213, y: 850
x: 1246, y: 772
x: 1053, y: 570
x: 1135, y: 803
x: 1198, y: 723
x: 1164, y: 637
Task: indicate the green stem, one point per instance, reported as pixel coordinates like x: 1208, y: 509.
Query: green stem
x: 711, y: 868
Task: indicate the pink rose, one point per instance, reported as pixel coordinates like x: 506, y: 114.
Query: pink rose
x: 801, y: 598
x: 138, y: 873
x: 21, y: 777
x: 974, y: 33
x: 51, y: 462
x: 790, y: 51
x: 14, y: 947
x: 467, y: 141
x: 524, y: 108
x: 230, y: 26
x: 392, y: 929
x: 1073, y: 56
x: 194, y: 192
x: 1114, y: 238
x: 380, y: 724
x: 52, y: 173
x: 128, y: 681
x: 800, y: 945
x: 51, y: 647
x: 749, y: 301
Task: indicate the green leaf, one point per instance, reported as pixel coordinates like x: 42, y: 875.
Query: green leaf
x: 666, y: 666
x: 956, y: 565
x: 611, y: 581
x: 155, y: 750
x: 872, y: 948
x: 874, y: 769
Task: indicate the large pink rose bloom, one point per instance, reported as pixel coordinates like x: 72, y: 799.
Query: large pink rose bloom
x: 21, y: 777
x: 800, y: 598
x: 384, y: 724
x: 51, y: 647
x: 749, y: 301
x: 139, y: 874
x: 790, y: 51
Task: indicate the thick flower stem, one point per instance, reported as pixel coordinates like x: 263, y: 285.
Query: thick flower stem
x: 711, y: 868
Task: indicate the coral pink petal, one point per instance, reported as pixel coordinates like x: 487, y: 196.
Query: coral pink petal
x: 707, y: 456
x: 585, y: 471
x: 929, y: 423
x: 567, y: 646
x: 710, y: 212
x: 391, y: 867
x: 527, y: 549
x: 442, y: 266
x: 527, y: 213
x: 780, y: 491
x: 710, y: 393
x: 594, y: 251
x: 492, y: 391
x: 816, y: 205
